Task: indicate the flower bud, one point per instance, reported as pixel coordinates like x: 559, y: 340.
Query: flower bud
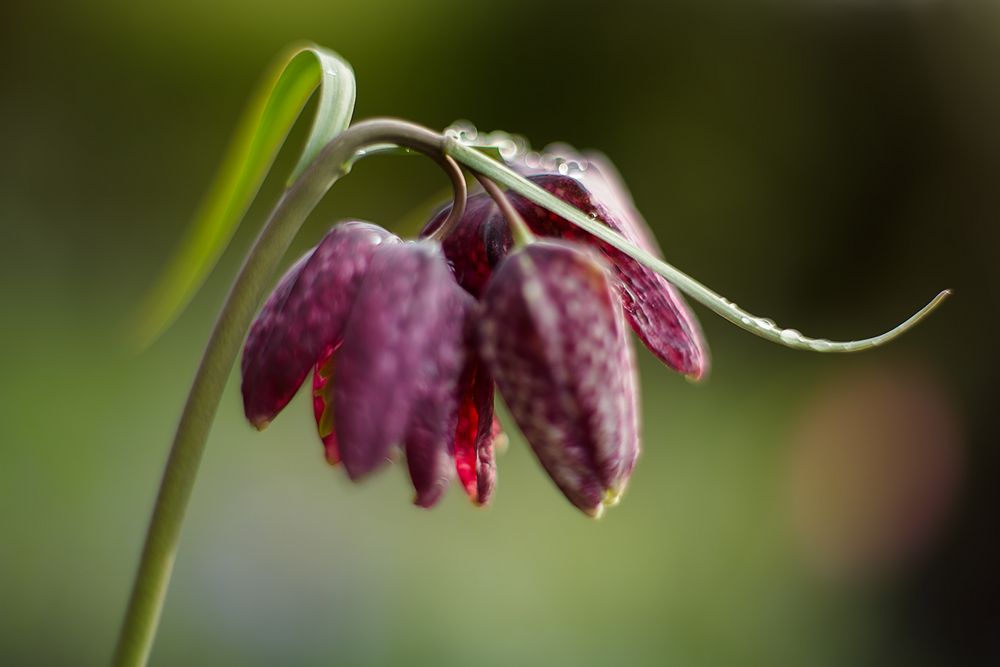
x: 304, y: 317
x: 551, y: 331
x: 398, y: 369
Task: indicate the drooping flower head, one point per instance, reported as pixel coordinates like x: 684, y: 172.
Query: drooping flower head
x: 303, y: 320
x: 387, y: 332
x: 550, y: 329
x: 553, y: 334
x: 407, y: 340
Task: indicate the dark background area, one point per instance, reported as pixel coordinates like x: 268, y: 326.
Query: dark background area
x: 831, y: 164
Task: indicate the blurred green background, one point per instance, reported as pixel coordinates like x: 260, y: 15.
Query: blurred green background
x: 831, y: 164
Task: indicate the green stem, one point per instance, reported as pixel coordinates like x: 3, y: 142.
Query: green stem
x: 480, y: 163
x: 159, y: 550
x: 460, y: 194
x: 519, y: 229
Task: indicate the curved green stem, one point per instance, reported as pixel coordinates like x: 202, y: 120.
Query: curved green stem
x: 482, y: 164
x: 459, y: 194
x: 518, y: 227
x: 150, y: 586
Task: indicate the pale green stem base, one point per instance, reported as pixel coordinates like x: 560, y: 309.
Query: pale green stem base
x: 158, y: 553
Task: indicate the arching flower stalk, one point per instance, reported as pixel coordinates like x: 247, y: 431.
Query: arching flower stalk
x: 405, y: 338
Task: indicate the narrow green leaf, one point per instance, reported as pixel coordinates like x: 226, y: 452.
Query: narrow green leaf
x: 269, y: 116
x: 476, y: 160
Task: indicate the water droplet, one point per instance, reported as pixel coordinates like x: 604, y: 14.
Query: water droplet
x: 508, y: 149
x: 821, y: 345
x: 791, y: 336
x: 765, y: 323
x: 462, y: 130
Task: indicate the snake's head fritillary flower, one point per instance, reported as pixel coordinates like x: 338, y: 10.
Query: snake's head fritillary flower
x: 653, y: 307
x: 551, y: 331
x: 404, y: 358
x: 304, y: 317
x: 387, y: 332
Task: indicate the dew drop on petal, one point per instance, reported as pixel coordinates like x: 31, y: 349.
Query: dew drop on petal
x: 791, y: 336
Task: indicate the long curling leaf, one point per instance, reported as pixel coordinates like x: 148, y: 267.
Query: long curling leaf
x: 478, y: 161
x: 269, y: 116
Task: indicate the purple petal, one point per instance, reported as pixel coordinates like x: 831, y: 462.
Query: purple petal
x: 429, y: 439
x: 304, y: 317
x: 604, y: 184
x: 387, y: 360
x: 553, y: 336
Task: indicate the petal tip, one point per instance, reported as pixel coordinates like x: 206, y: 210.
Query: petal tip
x: 429, y: 498
x: 613, y: 496
x: 333, y: 458
x: 698, y: 376
x: 354, y: 473
x: 501, y: 443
